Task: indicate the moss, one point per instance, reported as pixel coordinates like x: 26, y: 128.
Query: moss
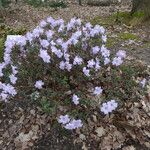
x: 127, y: 36
x: 4, y: 31
x: 110, y: 42
x: 46, y: 3
x: 120, y: 18
x: 1, y: 48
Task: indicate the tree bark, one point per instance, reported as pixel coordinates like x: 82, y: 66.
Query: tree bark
x: 141, y: 5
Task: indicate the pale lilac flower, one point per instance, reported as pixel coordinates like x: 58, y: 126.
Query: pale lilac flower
x: 44, y: 55
x: 78, y: 22
x: 53, y: 49
x: 97, y: 90
x: 77, y: 60
x: 112, y: 104
x: 61, y: 28
x: 117, y: 61
x: 75, y: 99
x: 9, y: 43
x: 62, y: 65
x: 109, y: 106
x: 43, y: 23
x: 49, y: 34
x: 37, y: 32
x: 121, y: 54
x: 97, y: 64
x: 69, y: 126
x: 39, y: 84
x: 105, y: 52
x: 86, y: 71
x: 77, y: 34
x: 59, y: 41
x: 7, y: 58
x: 105, y: 108
x: 21, y: 41
x: 44, y: 43
x: 143, y: 83
x: 4, y: 96
x: 106, y: 61
x: 50, y: 20
x: 71, y: 24
x: 63, y: 119
x: 58, y: 53
x: 77, y: 123
x: 1, y: 85
x: 29, y: 36
x: 1, y: 72
x: 95, y: 50
x: 65, y: 46
x: 91, y: 63
x: 68, y: 66
x: 66, y: 56
x: 53, y: 43
x: 2, y: 66
x: 14, y: 70
x: 74, y: 124
x: 88, y: 25
x: 104, y: 38
x: 74, y: 41
x: 13, y: 79
x: 7, y: 88
x: 102, y: 30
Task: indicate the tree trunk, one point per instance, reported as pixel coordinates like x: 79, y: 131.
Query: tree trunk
x: 141, y: 5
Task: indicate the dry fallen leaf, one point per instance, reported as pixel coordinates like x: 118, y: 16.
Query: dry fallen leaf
x: 100, y: 131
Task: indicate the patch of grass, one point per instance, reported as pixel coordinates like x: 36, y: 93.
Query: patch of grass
x: 127, y: 36
x: 4, y: 31
x: 48, y: 106
x: 98, y: 3
x: 121, y: 18
x: 110, y: 42
x: 47, y: 3
x: 2, y: 40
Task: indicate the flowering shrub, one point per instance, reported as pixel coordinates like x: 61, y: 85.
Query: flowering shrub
x: 65, y: 65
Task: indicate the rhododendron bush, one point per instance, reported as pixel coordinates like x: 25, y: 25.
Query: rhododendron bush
x: 68, y: 65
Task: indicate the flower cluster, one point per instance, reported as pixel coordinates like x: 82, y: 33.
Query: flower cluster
x: 75, y: 99
x: 109, y: 106
x: 68, y: 123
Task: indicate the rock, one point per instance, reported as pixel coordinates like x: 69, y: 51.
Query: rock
x: 82, y: 137
x: 100, y: 131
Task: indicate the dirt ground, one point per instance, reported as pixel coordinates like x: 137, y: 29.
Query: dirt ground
x: 24, y: 126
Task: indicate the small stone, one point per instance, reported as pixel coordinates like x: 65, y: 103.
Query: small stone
x: 94, y: 118
x: 82, y: 137
x: 100, y: 131
x: 32, y: 112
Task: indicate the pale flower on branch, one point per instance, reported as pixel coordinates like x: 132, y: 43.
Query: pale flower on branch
x: 75, y: 99
x: 77, y: 60
x: 63, y: 119
x: 109, y: 106
x: 39, y: 84
x: 121, y: 54
x: 44, y: 55
x: 13, y: 79
x: 86, y: 71
x: 74, y: 124
x: 97, y: 90
x: 91, y: 63
x: 117, y: 61
x: 143, y: 82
